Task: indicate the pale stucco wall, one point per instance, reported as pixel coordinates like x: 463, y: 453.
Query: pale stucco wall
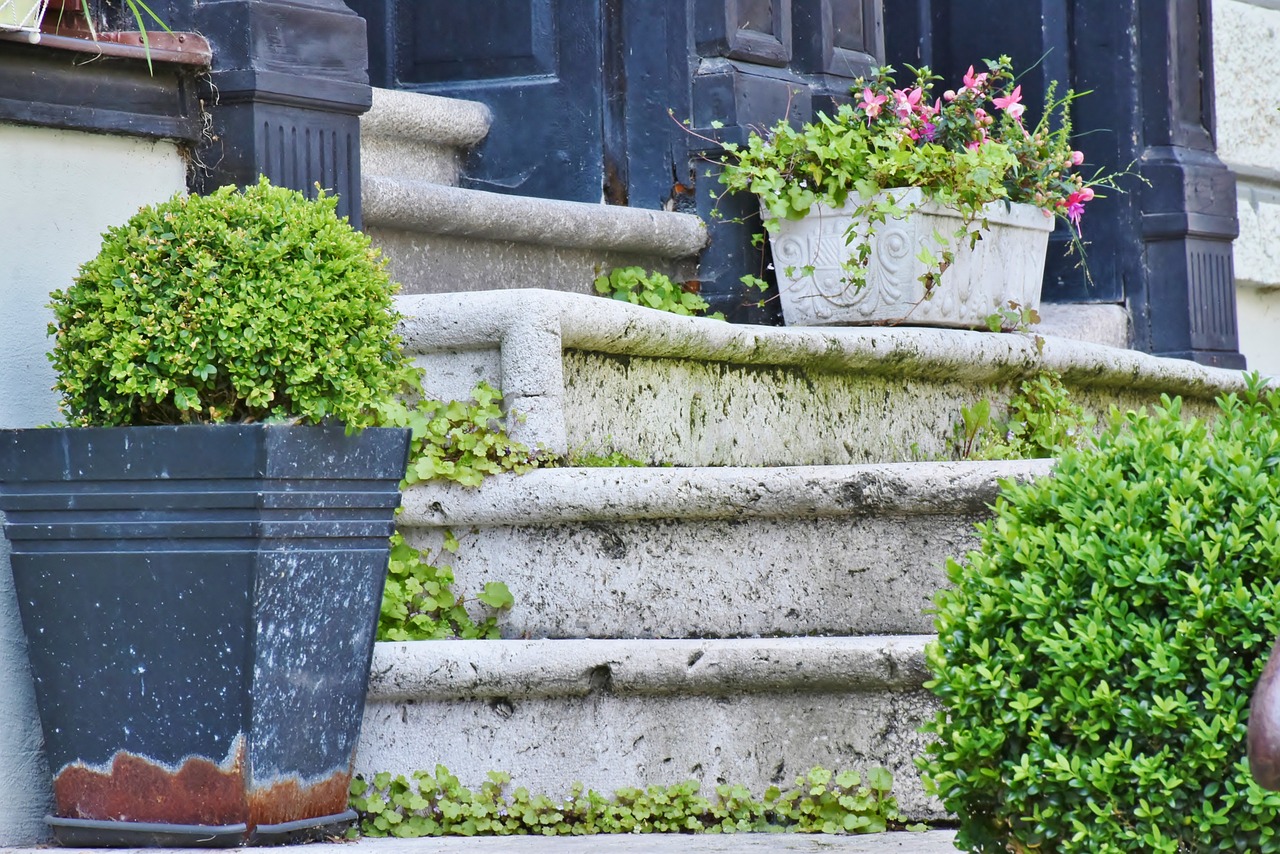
x: 59, y: 191
x: 1246, y: 48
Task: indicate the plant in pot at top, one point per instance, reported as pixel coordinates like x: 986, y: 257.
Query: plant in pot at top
x: 72, y: 17
x: 909, y: 206
x: 199, y: 556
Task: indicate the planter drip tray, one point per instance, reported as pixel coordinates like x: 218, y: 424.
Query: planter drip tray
x: 89, y: 833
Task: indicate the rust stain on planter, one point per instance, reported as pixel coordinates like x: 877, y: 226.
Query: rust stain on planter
x: 137, y: 789
x: 289, y: 800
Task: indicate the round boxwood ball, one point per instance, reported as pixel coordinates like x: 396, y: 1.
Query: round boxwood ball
x: 1096, y: 654
x: 238, y: 306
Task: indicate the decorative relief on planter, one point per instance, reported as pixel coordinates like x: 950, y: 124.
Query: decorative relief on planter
x: 1007, y: 264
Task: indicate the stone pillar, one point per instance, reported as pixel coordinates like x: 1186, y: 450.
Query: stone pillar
x: 289, y: 84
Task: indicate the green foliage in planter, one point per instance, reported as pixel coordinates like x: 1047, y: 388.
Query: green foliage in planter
x: 1096, y: 654
x: 233, y: 307
x: 1040, y: 421
x: 652, y: 290
x: 438, y: 805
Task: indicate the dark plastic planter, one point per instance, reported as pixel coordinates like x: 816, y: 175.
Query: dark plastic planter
x: 200, y: 605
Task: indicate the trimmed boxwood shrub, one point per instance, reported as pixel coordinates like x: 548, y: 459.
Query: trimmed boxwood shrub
x: 1096, y: 654
x: 236, y: 306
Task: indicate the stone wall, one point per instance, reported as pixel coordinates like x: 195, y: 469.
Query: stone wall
x: 62, y: 190
x: 1246, y: 36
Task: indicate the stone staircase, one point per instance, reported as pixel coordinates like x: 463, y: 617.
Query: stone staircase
x: 443, y: 237
x: 753, y: 612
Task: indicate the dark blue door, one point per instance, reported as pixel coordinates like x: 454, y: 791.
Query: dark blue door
x: 536, y: 63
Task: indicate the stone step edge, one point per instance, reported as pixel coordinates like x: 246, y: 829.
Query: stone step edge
x: 416, y: 118
x: 421, y: 206
x: 528, y: 669
x: 531, y: 328
x: 570, y: 495
x: 568, y: 321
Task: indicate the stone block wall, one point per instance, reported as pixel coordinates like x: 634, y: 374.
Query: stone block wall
x: 1246, y: 47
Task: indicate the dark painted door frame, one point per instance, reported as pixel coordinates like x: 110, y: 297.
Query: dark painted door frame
x: 1163, y: 249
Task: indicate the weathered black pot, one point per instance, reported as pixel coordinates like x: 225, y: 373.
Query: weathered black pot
x: 200, y: 604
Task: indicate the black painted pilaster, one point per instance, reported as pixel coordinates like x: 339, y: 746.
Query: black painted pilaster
x: 1164, y: 248
x: 289, y: 84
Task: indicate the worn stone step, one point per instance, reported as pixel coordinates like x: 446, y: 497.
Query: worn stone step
x: 712, y: 552
x: 446, y: 239
x: 418, y: 137
x: 615, y: 713
x: 601, y: 375
x: 932, y: 842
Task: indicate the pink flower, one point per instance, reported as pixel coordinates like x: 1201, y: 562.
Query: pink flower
x: 907, y: 102
x: 1077, y: 157
x: 1013, y: 104
x: 980, y: 115
x: 927, y: 130
x: 949, y: 95
x: 1075, y: 205
x: 871, y: 103
x: 973, y: 81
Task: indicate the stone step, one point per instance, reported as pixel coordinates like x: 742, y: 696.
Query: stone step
x: 932, y: 842
x: 417, y: 137
x: 445, y: 239
x: 595, y: 374
x: 712, y: 552
x: 616, y: 713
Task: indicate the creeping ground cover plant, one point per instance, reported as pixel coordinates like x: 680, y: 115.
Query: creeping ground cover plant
x: 964, y: 147
x: 1097, y: 652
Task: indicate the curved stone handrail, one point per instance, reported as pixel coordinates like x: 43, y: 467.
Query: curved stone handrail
x: 440, y: 209
x: 425, y: 119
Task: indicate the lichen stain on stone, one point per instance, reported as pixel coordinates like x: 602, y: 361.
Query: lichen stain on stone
x: 134, y: 788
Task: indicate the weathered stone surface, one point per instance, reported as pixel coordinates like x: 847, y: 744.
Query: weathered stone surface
x: 444, y: 238
x: 1257, y: 250
x: 426, y: 262
x: 414, y: 136
x: 622, y: 713
x: 1246, y: 42
x: 1107, y: 325
x: 712, y: 552
x: 1259, y: 316
x: 691, y: 391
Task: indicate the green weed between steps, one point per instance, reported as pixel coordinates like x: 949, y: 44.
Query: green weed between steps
x: 464, y: 442
x: 438, y: 804
x: 652, y: 290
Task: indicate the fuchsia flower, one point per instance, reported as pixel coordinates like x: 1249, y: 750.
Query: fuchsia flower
x: 1075, y: 204
x: 974, y: 81
x: 1012, y: 104
x: 871, y: 103
x: 1077, y: 157
x: 907, y: 102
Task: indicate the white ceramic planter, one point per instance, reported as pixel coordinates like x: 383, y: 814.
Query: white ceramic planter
x: 22, y: 15
x: 1007, y: 264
